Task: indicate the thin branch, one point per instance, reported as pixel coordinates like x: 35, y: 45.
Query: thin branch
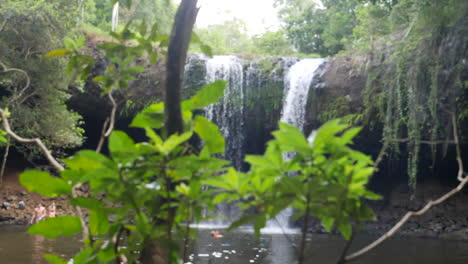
x: 26, y: 86
x: 37, y: 141
x: 103, y: 137
x: 427, y: 142
x: 108, y: 126
x: 112, y: 115
x: 379, y: 159
x: 457, y: 147
x: 461, y: 176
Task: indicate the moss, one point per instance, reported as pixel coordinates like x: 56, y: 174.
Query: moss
x: 335, y: 108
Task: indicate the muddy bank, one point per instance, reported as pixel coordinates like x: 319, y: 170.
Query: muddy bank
x: 13, y: 196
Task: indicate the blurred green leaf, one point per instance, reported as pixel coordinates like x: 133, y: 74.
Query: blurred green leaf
x: 53, y: 227
x: 43, y: 183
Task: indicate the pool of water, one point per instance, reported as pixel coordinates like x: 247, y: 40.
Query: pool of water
x: 240, y: 247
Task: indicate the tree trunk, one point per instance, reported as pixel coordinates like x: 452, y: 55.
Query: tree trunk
x: 153, y: 252
x: 176, y: 56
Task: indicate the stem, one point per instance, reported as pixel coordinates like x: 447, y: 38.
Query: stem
x: 305, y: 227
x: 187, y: 233
x: 5, y: 157
x: 342, y: 260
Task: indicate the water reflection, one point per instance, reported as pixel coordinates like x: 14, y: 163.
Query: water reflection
x: 39, y: 248
x: 241, y: 247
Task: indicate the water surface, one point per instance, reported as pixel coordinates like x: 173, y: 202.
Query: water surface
x: 17, y: 247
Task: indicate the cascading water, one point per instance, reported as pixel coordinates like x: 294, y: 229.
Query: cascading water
x: 297, y: 85
x: 298, y: 82
x: 250, y: 92
x: 228, y: 113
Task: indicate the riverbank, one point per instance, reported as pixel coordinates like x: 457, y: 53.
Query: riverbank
x: 446, y: 221
x: 13, y: 196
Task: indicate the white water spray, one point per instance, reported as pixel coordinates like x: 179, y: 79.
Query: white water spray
x: 297, y: 82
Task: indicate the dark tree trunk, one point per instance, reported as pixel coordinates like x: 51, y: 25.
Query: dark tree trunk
x: 153, y: 252
x: 177, y: 53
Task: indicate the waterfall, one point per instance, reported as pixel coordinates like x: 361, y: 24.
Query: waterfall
x: 265, y: 88
x: 298, y: 82
x: 115, y: 16
x: 228, y: 113
x: 297, y: 85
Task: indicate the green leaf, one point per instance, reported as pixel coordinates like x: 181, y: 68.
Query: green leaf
x: 120, y: 142
x: 84, y: 256
x: 205, y: 49
x: 242, y: 221
x: 53, y: 227
x: 209, y: 94
x: 58, y: 53
x: 173, y: 141
x: 43, y: 183
x: 210, y: 134
x: 291, y: 138
x: 151, y: 117
x: 98, y: 222
x: 371, y: 196
x: 327, y: 223
x: 54, y: 259
x: 88, y: 203
x: 345, y: 230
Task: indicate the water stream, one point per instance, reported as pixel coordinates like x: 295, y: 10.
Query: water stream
x: 241, y: 247
x: 298, y: 81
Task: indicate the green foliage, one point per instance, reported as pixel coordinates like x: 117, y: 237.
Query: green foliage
x: 403, y: 90
x: 273, y: 43
x: 227, y: 38
x: 29, y: 30
x: 98, y: 13
x: 328, y: 29
x: 328, y: 179
x: 44, y: 184
x: 53, y: 227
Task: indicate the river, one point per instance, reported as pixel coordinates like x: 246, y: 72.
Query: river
x: 17, y: 247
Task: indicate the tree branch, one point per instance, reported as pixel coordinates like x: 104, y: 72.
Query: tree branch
x: 109, y: 124
x: 461, y: 176
x: 17, y: 94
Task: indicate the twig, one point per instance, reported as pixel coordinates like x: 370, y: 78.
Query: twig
x: 40, y: 144
x: 108, y: 125
x: 112, y: 115
x: 381, y: 155
x: 52, y: 161
x: 103, y: 137
x: 5, y: 157
x: 26, y: 86
x: 342, y: 260
x: 428, y: 142
x: 461, y: 176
